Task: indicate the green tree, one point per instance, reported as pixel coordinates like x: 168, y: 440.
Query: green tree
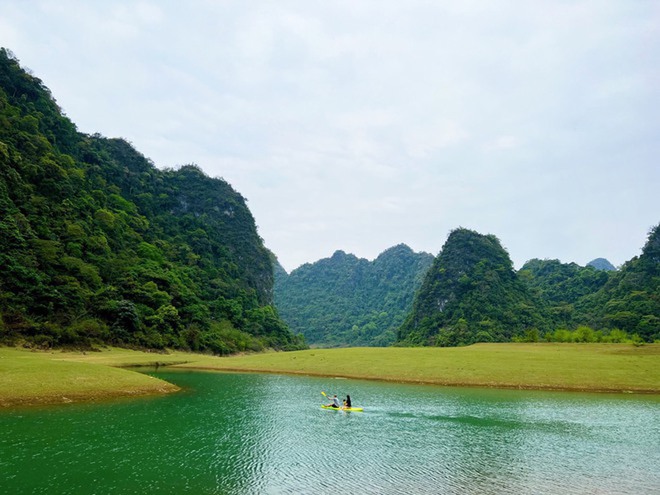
x: 471, y: 293
x: 344, y: 300
x: 98, y: 245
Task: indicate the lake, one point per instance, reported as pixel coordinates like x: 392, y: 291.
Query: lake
x: 257, y: 433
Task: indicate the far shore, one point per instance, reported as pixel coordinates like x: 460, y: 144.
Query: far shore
x: 603, y: 368
x: 55, y: 377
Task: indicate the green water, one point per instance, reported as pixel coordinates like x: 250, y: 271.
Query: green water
x: 248, y: 433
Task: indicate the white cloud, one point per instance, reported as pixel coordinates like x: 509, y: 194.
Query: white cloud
x: 423, y: 141
x: 357, y: 126
x: 503, y: 143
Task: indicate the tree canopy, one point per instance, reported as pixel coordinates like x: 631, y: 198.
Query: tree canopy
x: 630, y: 300
x: 470, y: 294
x: 344, y: 300
x: 98, y: 245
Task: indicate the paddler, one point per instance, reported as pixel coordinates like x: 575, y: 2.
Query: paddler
x: 335, y: 402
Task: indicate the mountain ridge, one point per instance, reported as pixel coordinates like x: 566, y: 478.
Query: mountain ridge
x: 557, y: 298
x: 345, y: 300
x: 97, y: 245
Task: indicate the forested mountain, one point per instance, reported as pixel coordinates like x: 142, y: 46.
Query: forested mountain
x: 98, y: 245
x: 627, y: 300
x: 630, y: 300
x: 471, y: 294
x: 345, y: 300
x: 560, y: 286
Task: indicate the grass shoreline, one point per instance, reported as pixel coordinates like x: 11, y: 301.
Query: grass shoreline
x: 55, y: 377
x: 601, y: 368
x: 31, y: 378
x: 439, y: 383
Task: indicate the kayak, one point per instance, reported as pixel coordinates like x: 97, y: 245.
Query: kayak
x: 357, y: 409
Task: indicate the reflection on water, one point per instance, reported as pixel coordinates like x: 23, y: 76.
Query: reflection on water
x: 242, y: 434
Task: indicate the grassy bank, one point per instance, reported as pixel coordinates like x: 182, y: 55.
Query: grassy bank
x: 53, y: 377
x: 586, y: 367
x: 29, y: 378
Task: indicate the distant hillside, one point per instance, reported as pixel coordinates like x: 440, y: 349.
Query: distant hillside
x: 560, y: 286
x: 345, y: 300
x: 602, y: 264
x: 470, y: 294
x: 630, y: 300
x: 98, y: 245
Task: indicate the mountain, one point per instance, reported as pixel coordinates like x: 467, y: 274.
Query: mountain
x: 344, y: 300
x: 560, y: 286
x: 630, y: 300
x: 602, y: 264
x: 470, y: 294
x: 98, y: 245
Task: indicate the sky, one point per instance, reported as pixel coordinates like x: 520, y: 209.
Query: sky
x: 362, y: 125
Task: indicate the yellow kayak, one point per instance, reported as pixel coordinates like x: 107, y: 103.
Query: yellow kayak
x: 357, y: 409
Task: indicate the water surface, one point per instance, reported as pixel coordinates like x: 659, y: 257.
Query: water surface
x: 251, y: 433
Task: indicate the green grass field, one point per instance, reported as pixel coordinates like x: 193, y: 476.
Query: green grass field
x: 587, y: 367
x: 28, y: 377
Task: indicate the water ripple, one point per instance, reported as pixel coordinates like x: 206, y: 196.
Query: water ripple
x: 259, y: 434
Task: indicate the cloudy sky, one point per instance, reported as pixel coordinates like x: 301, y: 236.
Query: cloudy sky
x: 359, y: 125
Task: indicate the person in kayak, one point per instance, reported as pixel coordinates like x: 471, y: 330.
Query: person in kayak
x: 335, y: 402
x: 347, y: 401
